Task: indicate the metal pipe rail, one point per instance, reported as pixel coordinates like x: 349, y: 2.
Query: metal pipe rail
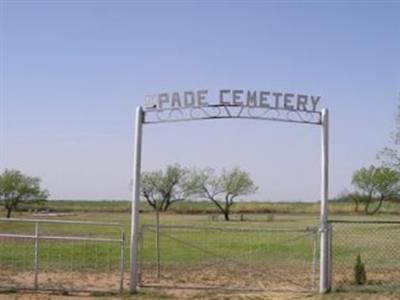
x: 239, y: 229
x: 27, y: 220
x: 37, y: 237
x: 364, y: 221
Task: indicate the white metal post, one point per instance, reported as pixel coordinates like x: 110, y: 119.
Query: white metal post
x: 122, y: 261
x: 158, y: 239
x: 36, y: 256
x: 324, y: 256
x: 134, y: 272
x: 330, y: 241
x: 314, y: 261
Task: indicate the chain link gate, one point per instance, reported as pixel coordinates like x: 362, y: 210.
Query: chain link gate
x: 247, y: 259
x: 61, y: 255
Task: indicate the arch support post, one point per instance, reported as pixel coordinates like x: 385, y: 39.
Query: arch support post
x: 325, y: 264
x: 137, y: 160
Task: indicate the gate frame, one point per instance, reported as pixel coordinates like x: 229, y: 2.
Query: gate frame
x: 325, y: 278
x: 313, y: 233
x: 37, y: 237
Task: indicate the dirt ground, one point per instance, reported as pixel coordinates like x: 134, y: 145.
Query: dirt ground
x: 201, y: 295
x: 90, y: 281
x: 110, y: 283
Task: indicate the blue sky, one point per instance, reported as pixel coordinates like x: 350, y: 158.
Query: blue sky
x: 72, y: 73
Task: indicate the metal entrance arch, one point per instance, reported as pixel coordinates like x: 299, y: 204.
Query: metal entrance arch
x: 154, y: 116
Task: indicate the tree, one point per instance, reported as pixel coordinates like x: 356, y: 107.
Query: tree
x: 390, y: 155
x: 376, y: 183
x: 355, y: 197
x: 222, y: 190
x: 163, y: 188
x: 17, y: 188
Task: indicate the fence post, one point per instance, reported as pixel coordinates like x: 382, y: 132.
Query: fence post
x: 314, y: 260
x: 158, y: 240
x: 122, y: 262
x: 36, y: 256
x: 330, y: 240
x: 141, y: 247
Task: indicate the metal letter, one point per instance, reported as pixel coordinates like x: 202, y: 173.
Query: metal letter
x: 314, y: 101
x: 189, y: 102
x: 251, y: 98
x: 221, y: 96
x: 276, y: 95
x: 302, y: 102
x: 264, y: 99
x: 175, y: 99
x: 201, y: 98
x: 287, y: 101
x: 162, y: 98
x: 236, y: 97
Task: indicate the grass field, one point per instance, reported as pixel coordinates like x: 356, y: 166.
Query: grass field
x: 224, y: 256
x: 201, y: 207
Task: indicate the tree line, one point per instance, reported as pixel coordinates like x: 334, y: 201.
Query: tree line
x: 373, y: 185
x: 159, y: 188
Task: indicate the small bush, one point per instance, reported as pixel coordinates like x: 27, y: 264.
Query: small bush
x: 360, y: 275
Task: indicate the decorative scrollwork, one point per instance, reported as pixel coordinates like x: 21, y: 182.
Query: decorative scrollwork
x: 205, y: 112
x: 170, y: 114
x: 230, y: 111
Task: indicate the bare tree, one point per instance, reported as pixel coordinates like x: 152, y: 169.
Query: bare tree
x: 222, y: 190
x: 163, y: 188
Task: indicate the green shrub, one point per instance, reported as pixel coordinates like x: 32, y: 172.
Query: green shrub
x: 360, y: 275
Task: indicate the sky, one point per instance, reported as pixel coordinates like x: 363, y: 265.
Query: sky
x: 73, y: 72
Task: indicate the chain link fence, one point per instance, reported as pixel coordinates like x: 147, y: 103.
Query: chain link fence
x: 89, y: 256
x: 377, y: 243
x: 61, y: 255
x: 229, y: 258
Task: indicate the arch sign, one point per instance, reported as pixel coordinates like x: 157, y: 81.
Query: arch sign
x: 240, y: 104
